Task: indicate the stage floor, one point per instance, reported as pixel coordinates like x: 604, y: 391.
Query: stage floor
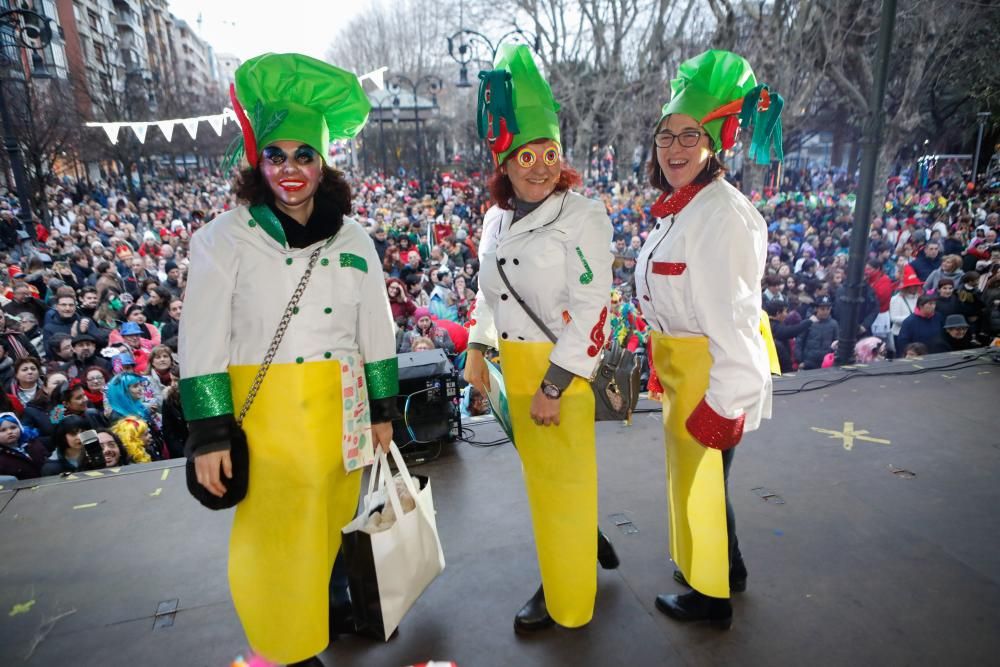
x: 866, y: 511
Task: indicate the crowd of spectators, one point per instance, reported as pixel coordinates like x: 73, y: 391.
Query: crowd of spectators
x: 92, y: 309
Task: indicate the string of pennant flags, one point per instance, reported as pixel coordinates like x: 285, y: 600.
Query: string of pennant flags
x: 216, y: 121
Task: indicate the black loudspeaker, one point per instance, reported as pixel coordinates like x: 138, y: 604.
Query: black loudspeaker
x: 428, y: 401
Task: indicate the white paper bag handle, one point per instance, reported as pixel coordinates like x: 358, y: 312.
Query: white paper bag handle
x: 390, y: 486
x: 404, y: 472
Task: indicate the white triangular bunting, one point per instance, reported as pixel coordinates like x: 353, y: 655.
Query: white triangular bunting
x: 111, y: 129
x: 167, y: 128
x: 216, y: 122
x: 140, y: 131
x: 377, y: 77
x: 191, y: 125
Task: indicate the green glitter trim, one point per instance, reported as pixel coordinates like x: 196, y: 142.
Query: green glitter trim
x: 382, y: 378
x: 354, y: 261
x: 206, y: 396
x: 269, y: 222
x: 587, y: 276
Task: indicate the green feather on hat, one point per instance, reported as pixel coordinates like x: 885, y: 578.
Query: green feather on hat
x: 296, y: 98
x: 718, y: 89
x: 515, y: 105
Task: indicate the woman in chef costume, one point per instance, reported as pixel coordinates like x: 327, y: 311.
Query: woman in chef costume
x: 698, y: 280
x: 554, y: 246
x: 309, y: 429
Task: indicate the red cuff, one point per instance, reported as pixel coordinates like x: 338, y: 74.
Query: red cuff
x: 712, y: 429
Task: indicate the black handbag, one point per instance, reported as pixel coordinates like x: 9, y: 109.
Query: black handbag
x: 617, y: 379
x: 239, y: 451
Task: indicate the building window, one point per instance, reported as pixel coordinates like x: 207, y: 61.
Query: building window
x: 99, y: 54
x: 94, y: 20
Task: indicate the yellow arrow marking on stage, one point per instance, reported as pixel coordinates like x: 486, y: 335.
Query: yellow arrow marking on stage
x: 22, y: 608
x: 983, y: 373
x: 84, y: 506
x: 848, y: 435
x: 166, y: 473
x: 114, y: 469
x: 94, y: 473
x: 948, y: 377
x: 156, y: 493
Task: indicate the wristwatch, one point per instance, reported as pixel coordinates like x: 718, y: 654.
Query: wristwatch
x: 550, y: 390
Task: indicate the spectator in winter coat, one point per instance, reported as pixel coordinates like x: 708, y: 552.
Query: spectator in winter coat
x: 951, y: 267
x: 958, y: 335
x: 947, y: 302
x: 399, y: 301
x: 924, y: 326
x: 927, y: 260
x: 783, y: 334
x: 16, y: 344
x: 425, y: 327
x: 816, y: 342
x: 62, y: 320
x: 22, y: 455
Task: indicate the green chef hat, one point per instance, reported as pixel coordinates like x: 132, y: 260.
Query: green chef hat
x: 515, y: 105
x: 719, y: 90
x: 289, y: 96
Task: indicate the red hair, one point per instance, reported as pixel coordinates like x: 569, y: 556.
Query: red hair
x: 502, y: 192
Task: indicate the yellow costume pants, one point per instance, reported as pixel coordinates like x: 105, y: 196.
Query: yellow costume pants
x: 695, y: 485
x: 286, y: 532
x: 560, y: 475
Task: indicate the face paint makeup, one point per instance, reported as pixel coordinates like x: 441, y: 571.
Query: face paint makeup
x: 292, y: 171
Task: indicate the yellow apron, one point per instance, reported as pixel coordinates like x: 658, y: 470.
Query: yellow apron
x: 695, y: 486
x: 772, y: 351
x: 286, y: 532
x: 560, y: 475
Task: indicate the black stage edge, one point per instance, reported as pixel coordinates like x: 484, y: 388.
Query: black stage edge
x: 866, y: 510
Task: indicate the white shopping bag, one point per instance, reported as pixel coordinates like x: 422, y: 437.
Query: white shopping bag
x: 389, y: 569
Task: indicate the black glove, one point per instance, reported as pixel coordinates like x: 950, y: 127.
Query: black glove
x: 212, y: 434
x: 384, y: 410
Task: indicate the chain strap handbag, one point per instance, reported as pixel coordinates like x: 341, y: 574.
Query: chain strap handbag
x: 616, y: 382
x: 236, y: 487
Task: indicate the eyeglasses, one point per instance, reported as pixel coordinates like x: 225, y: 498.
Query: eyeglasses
x: 687, y: 138
x: 303, y: 155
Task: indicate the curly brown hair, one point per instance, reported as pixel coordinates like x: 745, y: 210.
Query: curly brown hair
x: 251, y: 188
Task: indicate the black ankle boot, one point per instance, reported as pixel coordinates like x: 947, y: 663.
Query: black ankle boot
x: 737, y: 577
x: 694, y: 606
x: 533, y: 615
x: 606, y: 555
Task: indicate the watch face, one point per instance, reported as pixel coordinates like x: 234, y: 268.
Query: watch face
x: 551, y: 391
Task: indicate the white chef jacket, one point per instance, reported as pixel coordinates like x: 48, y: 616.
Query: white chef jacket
x: 558, y: 260
x: 699, y: 274
x: 241, y: 279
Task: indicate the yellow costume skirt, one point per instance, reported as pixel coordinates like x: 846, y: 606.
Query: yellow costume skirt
x: 286, y: 532
x: 696, y: 495
x: 560, y: 475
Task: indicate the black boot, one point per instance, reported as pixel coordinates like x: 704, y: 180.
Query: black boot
x: 533, y: 615
x: 694, y: 606
x: 737, y: 577
x: 606, y: 555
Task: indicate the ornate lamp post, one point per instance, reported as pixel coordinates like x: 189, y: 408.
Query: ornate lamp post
x: 433, y: 85
x: 19, y: 29
x: 469, y: 41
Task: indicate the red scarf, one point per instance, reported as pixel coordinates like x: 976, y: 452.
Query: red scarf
x: 671, y: 203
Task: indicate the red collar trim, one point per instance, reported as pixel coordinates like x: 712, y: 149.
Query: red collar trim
x: 673, y: 203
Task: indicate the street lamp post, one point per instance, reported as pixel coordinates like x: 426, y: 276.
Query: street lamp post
x: 28, y: 30
x: 381, y: 132
x: 434, y: 84
x: 981, y: 118
x: 470, y: 40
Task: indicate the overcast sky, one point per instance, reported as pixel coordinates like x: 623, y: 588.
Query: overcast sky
x: 250, y: 27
